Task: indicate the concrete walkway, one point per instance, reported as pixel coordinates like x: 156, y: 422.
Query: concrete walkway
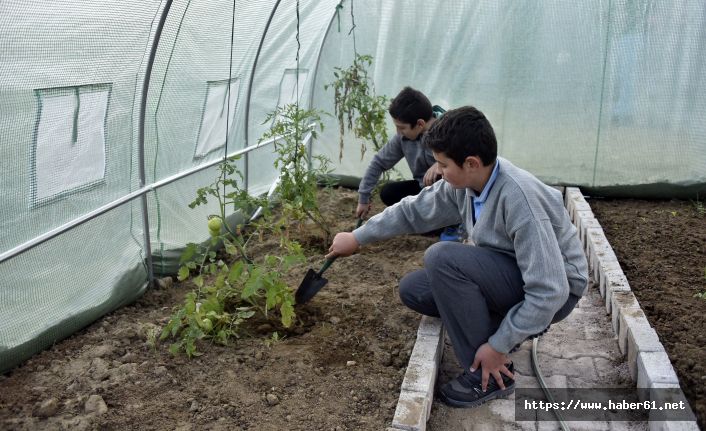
x: 580, y: 352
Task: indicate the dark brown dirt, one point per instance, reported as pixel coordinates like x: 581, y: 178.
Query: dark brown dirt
x: 661, y: 246
x: 304, y: 382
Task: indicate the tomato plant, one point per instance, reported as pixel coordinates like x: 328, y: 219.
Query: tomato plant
x: 298, y: 175
x: 228, y: 292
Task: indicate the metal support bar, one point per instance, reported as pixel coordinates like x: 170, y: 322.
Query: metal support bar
x: 141, y: 138
x: 246, y: 173
x: 318, y: 60
x: 310, y: 150
x: 116, y: 203
x: 252, y: 76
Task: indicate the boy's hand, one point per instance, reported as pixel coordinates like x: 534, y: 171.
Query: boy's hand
x: 362, y: 210
x: 432, y: 174
x: 344, y: 244
x: 493, y: 363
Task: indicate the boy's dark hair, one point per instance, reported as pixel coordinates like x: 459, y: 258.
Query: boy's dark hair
x: 461, y: 133
x: 409, y: 106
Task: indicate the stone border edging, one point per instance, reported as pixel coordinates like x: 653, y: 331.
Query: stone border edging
x: 647, y: 360
x: 417, y: 391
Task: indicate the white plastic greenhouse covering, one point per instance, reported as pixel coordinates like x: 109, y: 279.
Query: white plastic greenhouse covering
x: 609, y: 95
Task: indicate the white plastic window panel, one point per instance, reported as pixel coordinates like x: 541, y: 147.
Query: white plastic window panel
x: 212, y: 131
x: 291, y: 88
x: 70, y: 142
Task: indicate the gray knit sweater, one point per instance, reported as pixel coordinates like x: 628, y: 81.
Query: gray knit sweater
x: 521, y: 217
x: 419, y: 158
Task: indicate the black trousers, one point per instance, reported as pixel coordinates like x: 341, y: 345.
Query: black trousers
x: 394, y: 191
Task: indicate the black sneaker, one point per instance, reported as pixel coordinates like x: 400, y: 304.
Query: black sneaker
x: 465, y: 390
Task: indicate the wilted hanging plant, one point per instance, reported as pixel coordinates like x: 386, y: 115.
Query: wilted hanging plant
x: 356, y: 105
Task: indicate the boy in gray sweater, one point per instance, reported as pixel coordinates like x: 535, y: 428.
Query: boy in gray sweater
x: 412, y: 114
x: 521, y: 268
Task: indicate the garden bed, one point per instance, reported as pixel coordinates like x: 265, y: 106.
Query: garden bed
x: 339, y: 368
x: 661, y: 246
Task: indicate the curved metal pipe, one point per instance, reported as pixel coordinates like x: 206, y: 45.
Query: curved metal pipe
x: 316, y: 71
x: 141, y: 137
x: 252, y: 78
x: 318, y: 59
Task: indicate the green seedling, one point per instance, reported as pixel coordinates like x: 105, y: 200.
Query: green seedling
x: 151, y: 334
x: 274, y: 339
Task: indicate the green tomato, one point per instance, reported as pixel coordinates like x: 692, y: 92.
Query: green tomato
x: 207, y: 325
x: 214, y: 226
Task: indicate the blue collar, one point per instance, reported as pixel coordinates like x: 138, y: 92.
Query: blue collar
x: 486, y: 190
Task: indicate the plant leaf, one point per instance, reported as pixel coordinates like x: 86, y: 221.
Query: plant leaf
x: 253, y: 284
x: 183, y: 273
x: 235, y: 272
x: 287, y: 311
x: 188, y: 253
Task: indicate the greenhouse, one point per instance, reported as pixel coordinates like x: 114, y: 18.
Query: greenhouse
x: 123, y: 125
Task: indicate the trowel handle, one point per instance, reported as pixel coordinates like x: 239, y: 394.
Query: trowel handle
x: 359, y: 223
x: 328, y: 263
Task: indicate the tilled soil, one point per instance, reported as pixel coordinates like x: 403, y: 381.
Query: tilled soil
x: 661, y: 246
x: 340, y: 368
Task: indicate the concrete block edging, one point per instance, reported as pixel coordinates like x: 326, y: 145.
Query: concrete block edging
x: 647, y: 360
x: 417, y: 390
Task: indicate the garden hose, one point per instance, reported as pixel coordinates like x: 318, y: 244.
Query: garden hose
x: 543, y: 385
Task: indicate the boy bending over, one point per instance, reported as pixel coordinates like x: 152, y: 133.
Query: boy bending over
x: 412, y: 114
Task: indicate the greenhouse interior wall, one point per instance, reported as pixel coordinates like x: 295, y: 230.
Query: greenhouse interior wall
x: 97, y: 173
